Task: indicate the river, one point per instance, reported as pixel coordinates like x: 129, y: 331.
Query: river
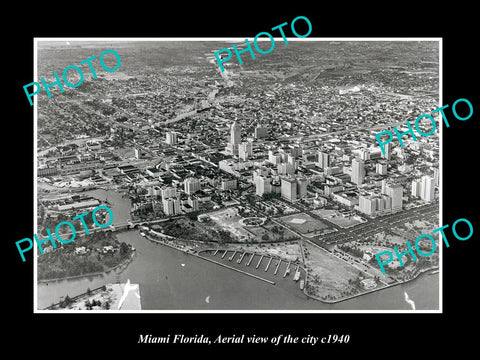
x: 172, y: 280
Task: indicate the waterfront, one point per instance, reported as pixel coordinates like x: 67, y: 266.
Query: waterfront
x: 172, y: 280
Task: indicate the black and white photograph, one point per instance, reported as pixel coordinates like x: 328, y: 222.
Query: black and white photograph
x: 261, y: 186
x: 217, y: 180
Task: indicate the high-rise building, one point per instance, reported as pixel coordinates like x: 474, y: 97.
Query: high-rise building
x: 396, y: 193
x: 302, y: 187
x: 428, y: 189
x: 381, y: 168
x: 289, y: 189
x: 193, y: 202
x: 323, y: 159
x: 285, y: 168
x: 245, y: 150
x: 191, y: 185
x: 416, y: 188
x: 235, y: 133
x: 228, y: 184
x: 260, y: 132
x: 235, y: 139
x: 169, y: 192
x: 388, y: 151
x: 139, y: 153
x: 358, y: 171
x: 367, y: 205
x: 364, y: 154
x: 171, y: 206
x: 263, y: 185
x: 274, y: 158
x: 171, y: 138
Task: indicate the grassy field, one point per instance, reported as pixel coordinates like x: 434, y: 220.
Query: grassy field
x: 304, y: 224
x: 329, y: 276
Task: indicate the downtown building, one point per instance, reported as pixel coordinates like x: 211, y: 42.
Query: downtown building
x: 358, y: 172
x: 424, y: 188
x: 235, y: 139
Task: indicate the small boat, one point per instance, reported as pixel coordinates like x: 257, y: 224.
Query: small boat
x: 302, y: 284
x: 297, y: 276
x: 142, y: 233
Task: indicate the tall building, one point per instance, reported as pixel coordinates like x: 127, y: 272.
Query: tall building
x: 228, y: 184
x: 323, y: 159
x: 235, y: 134
x: 235, y: 139
x: 302, y: 187
x: 388, y: 151
x: 139, y: 153
x: 193, y: 202
x: 396, y: 193
x: 169, y: 192
x: 381, y: 168
x: 289, y: 189
x: 428, y: 189
x: 263, y: 185
x: 358, y: 171
x: 285, y: 168
x: 274, y: 158
x: 245, y: 150
x: 416, y: 188
x: 191, y: 185
x: 171, y: 138
x: 367, y: 205
x: 171, y: 206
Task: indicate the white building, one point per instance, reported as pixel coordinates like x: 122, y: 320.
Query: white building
x: 191, y: 185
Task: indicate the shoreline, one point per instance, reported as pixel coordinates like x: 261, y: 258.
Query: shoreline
x: 125, y: 262
x: 367, y: 292
x: 191, y: 252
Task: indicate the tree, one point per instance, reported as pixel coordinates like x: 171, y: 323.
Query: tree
x: 265, y: 237
x: 124, y: 249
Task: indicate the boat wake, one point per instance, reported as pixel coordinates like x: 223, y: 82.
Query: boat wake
x: 207, y: 299
x: 409, y: 301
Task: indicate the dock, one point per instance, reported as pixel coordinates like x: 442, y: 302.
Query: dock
x: 231, y: 257
x: 241, y: 258
x: 240, y: 271
x: 259, y: 261
x: 250, y: 260
x: 225, y: 253
x: 268, y: 265
x: 215, y: 253
x: 287, y: 269
x: 278, y: 265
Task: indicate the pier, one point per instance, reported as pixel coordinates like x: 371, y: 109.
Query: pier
x: 231, y: 257
x: 259, y: 261
x: 225, y: 253
x: 215, y: 253
x: 241, y: 258
x: 278, y: 265
x: 268, y: 265
x: 287, y: 269
x: 240, y: 271
x: 250, y: 260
